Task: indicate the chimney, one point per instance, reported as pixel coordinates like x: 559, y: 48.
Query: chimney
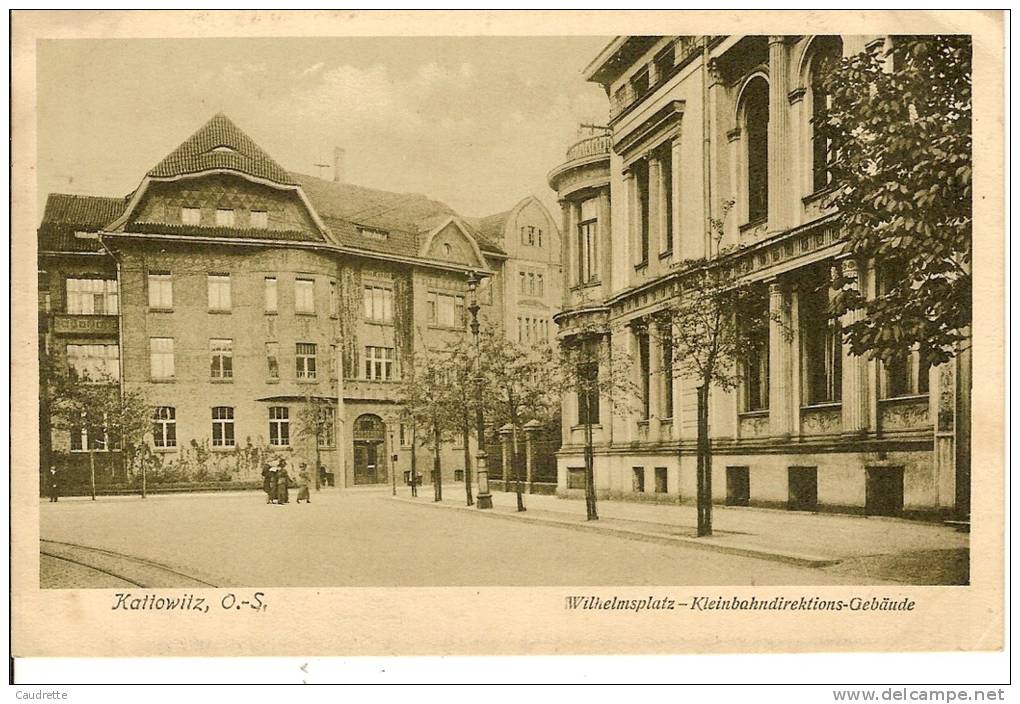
x: 338, y: 165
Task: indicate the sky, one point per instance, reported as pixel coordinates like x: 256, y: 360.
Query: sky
x: 475, y: 122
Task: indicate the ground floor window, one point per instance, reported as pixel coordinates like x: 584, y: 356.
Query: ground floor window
x: 576, y: 478
x: 279, y: 426
x: 638, y: 480
x: 803, y: 488
x: 738, y: 486
x: 660, y: 480
x: 164, y: 426
x: 223, y: 426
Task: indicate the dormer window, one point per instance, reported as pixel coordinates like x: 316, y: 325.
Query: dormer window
x: 222, y: 149
x: 259, y: 219
x: 224, y: 217
x: 373, y: 234
x: 191, y: 216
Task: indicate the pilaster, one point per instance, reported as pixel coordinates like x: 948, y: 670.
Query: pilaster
x: 780, y: 392
x: 856, y: 416
x: 779, y: 216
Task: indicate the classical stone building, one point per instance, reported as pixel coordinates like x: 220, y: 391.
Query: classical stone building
x: 696, y: 123
x: 235, y: 295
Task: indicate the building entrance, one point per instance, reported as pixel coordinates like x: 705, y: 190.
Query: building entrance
x: 369, y: 450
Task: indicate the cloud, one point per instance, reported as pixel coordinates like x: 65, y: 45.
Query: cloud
x: 313, y: 69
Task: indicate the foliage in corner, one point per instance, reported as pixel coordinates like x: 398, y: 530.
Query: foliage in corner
x: 900, y: 149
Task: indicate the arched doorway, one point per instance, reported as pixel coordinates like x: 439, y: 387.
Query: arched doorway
x: 369, y: 449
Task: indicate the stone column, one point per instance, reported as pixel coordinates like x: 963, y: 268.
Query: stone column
x: 778, y: 136
x: 738, y: 186
x: 569, y: 249
x: 674, y: 154
x: 505, y: 443
x: 530, y: 429
x: 856, y: 402
x: 571, y: 233
x: 800, y: 173
x: 633, y: 217
x: 780, y: 422
x: 656, y: 209
x: 654, y: 383
x: 604, y: 240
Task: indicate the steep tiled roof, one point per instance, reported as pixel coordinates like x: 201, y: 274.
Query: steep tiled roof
x: 491, y: 226
x: 65, y: 214
x: 370, y: 207
x: 219, y: 144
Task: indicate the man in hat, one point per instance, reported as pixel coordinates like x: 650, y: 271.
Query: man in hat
x: 52, y: 484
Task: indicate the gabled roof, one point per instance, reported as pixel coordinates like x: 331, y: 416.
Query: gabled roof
x: 370, y: 207
x: 220, y: 144
x: 66, y: 214
x: 491, y: 226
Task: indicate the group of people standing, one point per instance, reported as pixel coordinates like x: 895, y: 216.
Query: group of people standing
x: 276, y: 482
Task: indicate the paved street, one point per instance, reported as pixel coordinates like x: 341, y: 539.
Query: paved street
x: 364, y: 538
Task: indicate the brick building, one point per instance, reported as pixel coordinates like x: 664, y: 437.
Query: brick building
x: 235, y: 295
x: 694, y: 123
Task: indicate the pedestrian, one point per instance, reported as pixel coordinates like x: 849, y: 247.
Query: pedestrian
x: 274, y: 480
x: 266, y: 476
x: 53, y: 484
x: 303, y: 493
x: 282, y: 481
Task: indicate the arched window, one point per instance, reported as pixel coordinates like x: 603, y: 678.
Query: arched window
x: 755, y: 124
x: 826, y: 52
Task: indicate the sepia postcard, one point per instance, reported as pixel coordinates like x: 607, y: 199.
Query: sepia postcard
x: 525, y: 333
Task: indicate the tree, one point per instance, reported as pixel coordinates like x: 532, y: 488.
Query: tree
x: 424, y: 394
x: 710, y: 327
x: 104, y: 415
x: 316, y: 422
x: 900, y: 157
x: 459, y: 357
x: 588, y: 365
x: 521, y: 383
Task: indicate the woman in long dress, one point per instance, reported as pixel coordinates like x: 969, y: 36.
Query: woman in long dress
x: 282, y: 490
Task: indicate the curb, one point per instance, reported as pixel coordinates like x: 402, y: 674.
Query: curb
x: 791, y: 558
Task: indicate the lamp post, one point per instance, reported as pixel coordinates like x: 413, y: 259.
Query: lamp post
x: 481, y: 470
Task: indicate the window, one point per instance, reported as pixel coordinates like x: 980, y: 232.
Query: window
x: 224, y: 217
x: 661, y: 480
x: 92, y: 296
x: 576, y: 478
x: 529, y: 235
x: 522, y: 288
x: 379, y: 363
x: 191, y: 216
x: 641, y: 183
x: 446, y: 310
x: 334, y: 300
x: 638, y: 480
x: 447, y: 250
x: 223, y: 426
x: 531, y: 283
x: 664, y: 62
x: 279, y: 426
x: 221, y: 358
x: 95, y: 438
x: 219, y: 292
x: 905, y: 375
x: 95, y: 362
x: 304, y: 296
x: 259, y: 219
x: 305, y: 360
x: 644, y: 366
x: 639, y: 83
x: 332, y: 361
x: 664, y: 154
x: 161, y: 357
x: 756, y: 365
x: 270, y: 297
x: 326, y: 426
x: 273, y: 360
x: 379, y: 304
x: 666, y: 349
x: 405, y: 435
x: 538, y: 236
x: 164, y: 426
x: 756, y: 127
x: 161, y: 290
x: 373, y: 234
x: 821, y: 337
x: 827, y: 54
x: 587, y: 242
x: 588, y: 388
x: 756, y: 378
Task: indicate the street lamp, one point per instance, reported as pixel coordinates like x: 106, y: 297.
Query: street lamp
x: 481, y: 470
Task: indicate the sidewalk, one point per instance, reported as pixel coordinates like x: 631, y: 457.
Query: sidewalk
x: 807, y: 539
